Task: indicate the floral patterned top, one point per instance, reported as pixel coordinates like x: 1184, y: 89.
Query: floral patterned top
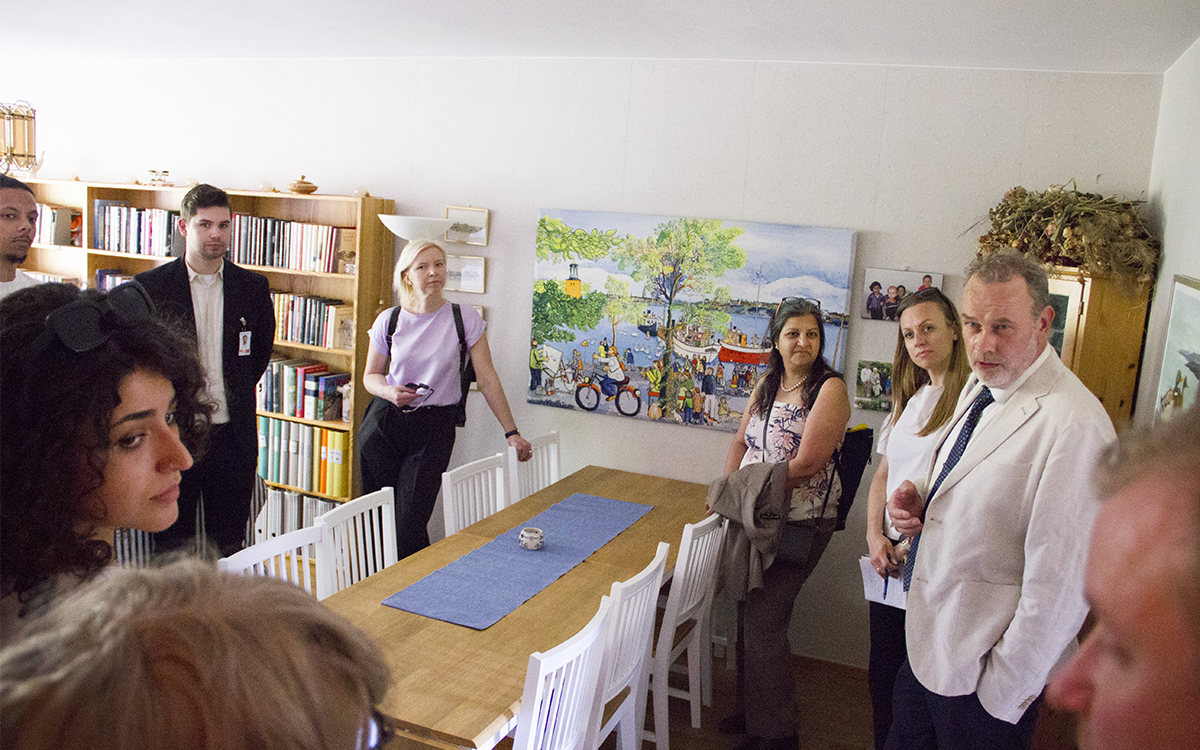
x: 785, y: 427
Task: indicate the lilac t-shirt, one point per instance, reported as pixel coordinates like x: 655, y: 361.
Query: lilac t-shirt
x: 425, y: 350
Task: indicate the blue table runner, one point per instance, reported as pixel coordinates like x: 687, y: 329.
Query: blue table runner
x: 484, y: 585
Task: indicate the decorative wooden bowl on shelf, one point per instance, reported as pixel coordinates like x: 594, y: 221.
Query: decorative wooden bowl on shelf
x: 302, y: 186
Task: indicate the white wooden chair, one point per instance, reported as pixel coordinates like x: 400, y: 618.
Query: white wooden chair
x: 287, y: 556
x: 561, y: 688
x: 358, y: 539
x: 688, y: 604
x: 628, y: 638
x: 527, y: 477
x: 132, y: 548
x: 472, y: 492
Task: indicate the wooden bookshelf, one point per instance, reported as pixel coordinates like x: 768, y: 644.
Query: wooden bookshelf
x: 368, y: 289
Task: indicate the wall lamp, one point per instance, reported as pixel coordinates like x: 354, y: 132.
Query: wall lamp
x: 20, y: 143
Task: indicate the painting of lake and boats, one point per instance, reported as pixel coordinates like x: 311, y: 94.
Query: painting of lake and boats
x: 665, y: 318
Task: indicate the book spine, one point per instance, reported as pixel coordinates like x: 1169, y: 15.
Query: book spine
x: 264, y: 438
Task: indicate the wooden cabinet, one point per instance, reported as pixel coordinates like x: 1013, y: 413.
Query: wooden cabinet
x: 367, y: 288
x: 1099, y: 330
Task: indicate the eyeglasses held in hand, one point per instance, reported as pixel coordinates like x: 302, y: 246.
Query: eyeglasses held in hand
x: 423, y: 392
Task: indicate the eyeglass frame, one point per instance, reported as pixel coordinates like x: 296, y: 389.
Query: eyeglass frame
x: 423, y: 390
x: 71, y: 327
x: 383, y: 728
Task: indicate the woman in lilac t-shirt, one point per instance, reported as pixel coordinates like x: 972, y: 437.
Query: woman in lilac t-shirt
x: 408, y: 431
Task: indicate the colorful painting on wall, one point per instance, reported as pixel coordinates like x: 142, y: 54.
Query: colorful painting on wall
x: 664, y: 318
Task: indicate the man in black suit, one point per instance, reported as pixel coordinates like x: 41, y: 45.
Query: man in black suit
x: 229, y: 311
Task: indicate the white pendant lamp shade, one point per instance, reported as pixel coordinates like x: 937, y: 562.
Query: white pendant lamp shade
x: 416, y: 227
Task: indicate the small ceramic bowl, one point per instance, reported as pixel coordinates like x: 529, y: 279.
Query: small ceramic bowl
x: 532, y: 538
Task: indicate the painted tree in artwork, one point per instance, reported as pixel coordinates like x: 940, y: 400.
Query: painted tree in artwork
x: 680, y: 262
x: 620, y: 305
x: 558, y: 241
x: 556, y: 313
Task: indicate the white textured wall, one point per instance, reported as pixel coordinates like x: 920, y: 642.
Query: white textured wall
x: 1175, y: 207
x: 909, y: 157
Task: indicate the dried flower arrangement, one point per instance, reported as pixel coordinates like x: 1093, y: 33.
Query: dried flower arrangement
x: 1064, y: 227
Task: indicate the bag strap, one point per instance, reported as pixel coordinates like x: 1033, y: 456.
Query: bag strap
x: 462, y: 352
x: 391, y: 331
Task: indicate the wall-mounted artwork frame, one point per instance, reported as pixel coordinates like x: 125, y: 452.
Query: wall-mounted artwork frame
x: 466, y: 273
x: 664, y: 318
x: 873, y: 385
x: 471, y: 225
x: 882, y: 305
x: 1180, y: 373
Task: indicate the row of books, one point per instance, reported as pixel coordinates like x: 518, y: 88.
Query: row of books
x: 107, y: 278
x: 288, y: 510
x: 302, y: 388
x: 52, y: 278
x: 308, y: 458
x: 58, y: 225
x: 138, y: 231
x: 312, y: 320
x: 280, y: 243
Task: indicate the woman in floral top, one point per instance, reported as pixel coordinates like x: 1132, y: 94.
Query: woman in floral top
x: 797, y: 413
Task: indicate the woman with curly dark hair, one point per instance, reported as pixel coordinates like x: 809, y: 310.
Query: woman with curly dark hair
x: 99, y: 412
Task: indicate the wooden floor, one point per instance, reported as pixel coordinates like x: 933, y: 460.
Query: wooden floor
x: 836, y: 713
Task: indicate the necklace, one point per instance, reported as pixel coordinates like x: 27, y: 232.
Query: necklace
x: 794, y: 387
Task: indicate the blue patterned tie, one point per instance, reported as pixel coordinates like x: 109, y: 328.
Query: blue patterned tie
x: 960, y: 446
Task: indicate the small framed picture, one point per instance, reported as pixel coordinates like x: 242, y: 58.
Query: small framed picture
x: 1181, y: 354
x: 466, y: 273
x: 885, y: 287
x: 873, y: 385
x: 470, y: 225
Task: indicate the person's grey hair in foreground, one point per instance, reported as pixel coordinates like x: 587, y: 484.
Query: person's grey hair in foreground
x: 184, y: 657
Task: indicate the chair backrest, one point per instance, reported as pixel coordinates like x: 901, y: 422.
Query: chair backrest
x: 287, y: 556
x: 527, y: 477
x: 627, y: 640
x: 560, y: 689
x: 132, y: 548
x: 694, y: 575
x: 472, y: 492
x: 358, y: 539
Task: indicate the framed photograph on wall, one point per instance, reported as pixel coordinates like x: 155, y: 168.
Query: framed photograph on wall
x: 470, y: 225
x: 466, y: 273
x: 873, y: 385
x: 1180, y: 373
x: 885, y: 287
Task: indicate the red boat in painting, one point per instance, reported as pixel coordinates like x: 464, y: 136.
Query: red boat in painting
x: 744, y: 355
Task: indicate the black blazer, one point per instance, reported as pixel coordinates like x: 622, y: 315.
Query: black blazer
x: 248, y: 307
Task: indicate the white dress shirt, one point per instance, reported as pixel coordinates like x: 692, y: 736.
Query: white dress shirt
x: 208, y: 304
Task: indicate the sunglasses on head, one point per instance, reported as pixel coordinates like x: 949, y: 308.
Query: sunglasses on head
x: 796, y: 300
x: 85, y: 324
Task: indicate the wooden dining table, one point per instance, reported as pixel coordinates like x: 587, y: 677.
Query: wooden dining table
x: 453, y: 686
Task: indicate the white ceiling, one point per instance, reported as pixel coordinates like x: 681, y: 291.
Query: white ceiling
x: 1131, y: 36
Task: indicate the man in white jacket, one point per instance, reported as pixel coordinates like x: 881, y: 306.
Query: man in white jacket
x: 1003, y: 518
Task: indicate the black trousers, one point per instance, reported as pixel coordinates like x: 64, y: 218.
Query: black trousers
x: 924, y: 720
x: 766, y: 688
x: 888, y: 652
x: 407, y: 451
x: 225, y: 477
